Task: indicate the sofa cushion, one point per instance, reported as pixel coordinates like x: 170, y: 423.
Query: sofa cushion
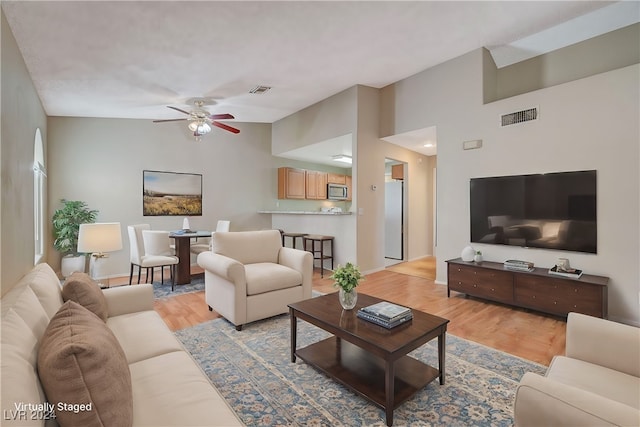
x: 80, y: 362
x: 248, y: 247
x: 266, y: 277
x: 81, y: 288
x: 150, y: 337
x: 596, y: 379
x: 19, y: 379
x: 171, y: 389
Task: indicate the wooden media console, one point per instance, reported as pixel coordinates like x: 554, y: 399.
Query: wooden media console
x: 536, y: 290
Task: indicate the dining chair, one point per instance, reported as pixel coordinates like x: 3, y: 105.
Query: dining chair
x: 201, y: 246
x: 158, y: 253
x: 139, y: 257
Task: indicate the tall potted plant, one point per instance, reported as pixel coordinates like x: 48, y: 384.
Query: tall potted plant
x: 347, y: 279
x: 66, y: 226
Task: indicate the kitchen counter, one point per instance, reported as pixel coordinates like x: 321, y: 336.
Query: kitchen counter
x: 305, y: 213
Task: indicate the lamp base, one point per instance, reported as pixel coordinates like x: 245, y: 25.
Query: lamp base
x: 96, y: 268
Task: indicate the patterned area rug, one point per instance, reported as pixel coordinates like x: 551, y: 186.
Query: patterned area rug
x: 163, y: 290
x: 253, y: 371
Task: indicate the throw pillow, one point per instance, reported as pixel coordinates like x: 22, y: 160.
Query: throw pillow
x: 84, y: 371
x: 81, y: 288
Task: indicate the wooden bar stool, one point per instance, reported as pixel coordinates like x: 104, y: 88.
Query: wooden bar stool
x: 293, y: 236
x: 318, y: 253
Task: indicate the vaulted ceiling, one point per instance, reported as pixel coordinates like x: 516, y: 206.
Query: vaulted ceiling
x: 130, y: 59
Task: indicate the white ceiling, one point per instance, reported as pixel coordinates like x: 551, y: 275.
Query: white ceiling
x: 126, y: 59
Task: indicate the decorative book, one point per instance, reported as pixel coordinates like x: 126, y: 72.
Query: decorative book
x: 384, y: 323
x: 387, y: 311
x: 516, y: 264
x: 572, y: 273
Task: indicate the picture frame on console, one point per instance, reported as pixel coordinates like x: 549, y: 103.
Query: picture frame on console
x: 171, y: 193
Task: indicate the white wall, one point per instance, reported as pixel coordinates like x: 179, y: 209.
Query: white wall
x: 591, y: 123
x: 101, y: 161
x: 22, y: 114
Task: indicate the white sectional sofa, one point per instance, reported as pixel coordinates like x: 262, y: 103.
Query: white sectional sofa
x: 167, y: 387
x: 597, y: 383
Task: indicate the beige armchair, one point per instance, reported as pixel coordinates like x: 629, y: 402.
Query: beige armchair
x: 249, y: 275
x: 596, y: 384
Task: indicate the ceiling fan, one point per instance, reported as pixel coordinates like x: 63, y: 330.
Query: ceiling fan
x: 200, y: 120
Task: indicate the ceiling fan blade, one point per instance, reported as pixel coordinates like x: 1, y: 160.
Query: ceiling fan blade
x: 225, y: 127
x: 169, y: 120
x: 221, y: 116
x: 178, y: 109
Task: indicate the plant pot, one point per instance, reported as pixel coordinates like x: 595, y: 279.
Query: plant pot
x: 348, y: 299
x: 70, y: 263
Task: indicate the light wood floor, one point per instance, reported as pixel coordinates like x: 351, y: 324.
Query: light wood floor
x: 530, y: 335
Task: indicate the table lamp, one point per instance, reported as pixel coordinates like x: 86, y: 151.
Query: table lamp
x: 98, y: 239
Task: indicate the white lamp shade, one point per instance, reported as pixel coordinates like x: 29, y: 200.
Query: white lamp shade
x: 100, y: 237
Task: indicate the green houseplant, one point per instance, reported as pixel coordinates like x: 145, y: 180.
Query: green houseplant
x: 347, y: 279
x: 66, y: 226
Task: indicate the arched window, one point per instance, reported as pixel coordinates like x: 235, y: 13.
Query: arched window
x: 39, y: 189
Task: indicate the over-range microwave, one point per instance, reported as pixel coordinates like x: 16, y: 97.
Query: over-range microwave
x: 336, y: 192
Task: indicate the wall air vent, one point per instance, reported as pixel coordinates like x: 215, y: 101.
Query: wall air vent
x: 519, y: 117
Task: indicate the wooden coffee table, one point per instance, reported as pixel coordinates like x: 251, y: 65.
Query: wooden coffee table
x: 369, y: 359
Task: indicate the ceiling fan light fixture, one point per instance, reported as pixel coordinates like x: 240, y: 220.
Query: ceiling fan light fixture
x: 193, y: 126
x: 203, y: 128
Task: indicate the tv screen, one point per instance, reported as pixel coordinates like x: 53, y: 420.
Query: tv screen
x: 550, y: 211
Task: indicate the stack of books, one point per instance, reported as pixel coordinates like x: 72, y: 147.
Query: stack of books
x: 386, y: 314
x: 516, y: 264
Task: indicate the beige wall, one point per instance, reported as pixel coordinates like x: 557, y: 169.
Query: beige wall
x: 101, y: 161
x: 610, y: 51
x: 590, y: 123
x: 328, y: 119
x: 22, y: 114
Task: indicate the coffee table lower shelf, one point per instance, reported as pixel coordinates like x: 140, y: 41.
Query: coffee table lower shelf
x: 365, y: 373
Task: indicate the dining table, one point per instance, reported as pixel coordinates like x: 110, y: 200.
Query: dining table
x: 183, y: 252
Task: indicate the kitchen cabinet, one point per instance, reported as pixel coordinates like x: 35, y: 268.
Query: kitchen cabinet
x: 316, y: 184
x: 335, y: 178
x: 291, y: 183
x: 397, y: 171
x: 349, y: 184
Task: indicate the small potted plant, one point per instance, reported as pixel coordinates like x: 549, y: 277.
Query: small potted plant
x: 66, y: 226
x: 347, y: 279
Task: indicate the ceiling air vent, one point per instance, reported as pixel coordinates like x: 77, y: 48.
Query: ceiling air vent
x: 260, y: 89
x: 519, y: 117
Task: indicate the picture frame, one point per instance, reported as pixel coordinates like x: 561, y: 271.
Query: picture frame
x: 171, y: 193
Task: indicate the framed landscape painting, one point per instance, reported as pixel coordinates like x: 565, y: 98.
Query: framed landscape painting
x: 171, y: 194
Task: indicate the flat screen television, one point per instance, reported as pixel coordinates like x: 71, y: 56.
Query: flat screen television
x: 550, y: 211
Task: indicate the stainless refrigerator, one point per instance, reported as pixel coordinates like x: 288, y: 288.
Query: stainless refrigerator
x: 393, y: 195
